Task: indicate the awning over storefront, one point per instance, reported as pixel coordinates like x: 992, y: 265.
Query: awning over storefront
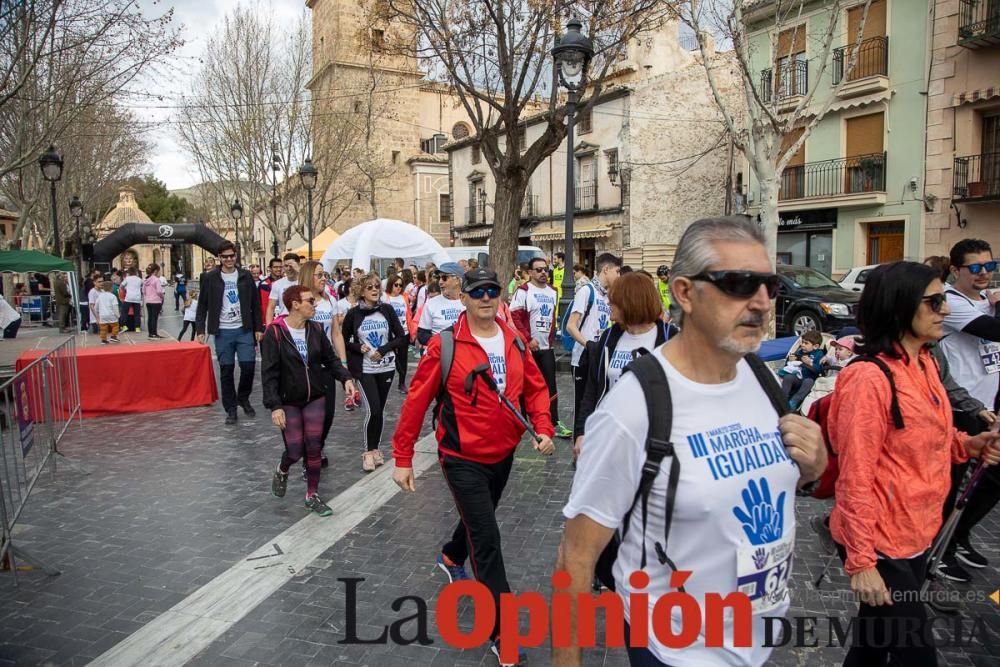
x: 470, y: 234
x: 970, y: 96
x: 556, y: 233
x: 807, y: 221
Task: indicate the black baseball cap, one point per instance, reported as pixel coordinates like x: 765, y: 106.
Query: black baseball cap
x: 479, y: 278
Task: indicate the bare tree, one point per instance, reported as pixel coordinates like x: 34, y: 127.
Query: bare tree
x: 760, y: 124
x: 495, y: 54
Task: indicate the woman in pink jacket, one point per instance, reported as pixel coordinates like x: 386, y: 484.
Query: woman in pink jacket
x: 152, y: 293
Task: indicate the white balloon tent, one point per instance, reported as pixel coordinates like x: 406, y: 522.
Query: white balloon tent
x: 380, y: 239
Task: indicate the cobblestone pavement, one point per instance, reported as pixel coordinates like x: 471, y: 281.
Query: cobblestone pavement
x: 174, y: 499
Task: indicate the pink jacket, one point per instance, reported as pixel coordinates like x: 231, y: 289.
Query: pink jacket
x: 152, y: 290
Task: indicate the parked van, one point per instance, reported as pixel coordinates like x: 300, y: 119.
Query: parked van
x: 481, y: 253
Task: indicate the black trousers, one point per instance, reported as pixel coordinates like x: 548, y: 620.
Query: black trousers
x: 546, y: 360
x: 153, y: 317
x: 179, y: 298
x: 986, y: 495
x: 579, y: 387
x: 402, y: 359
x: 374, y: 393
x: 231, y: 395
x: 476, y: 488
x: 184, y: 328
x: 879, y: 631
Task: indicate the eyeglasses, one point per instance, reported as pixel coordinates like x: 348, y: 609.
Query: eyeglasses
x: 233, y: 256
x: 935, y: 301
x: 492, y: 291
x: 978, y: 267
x: 444, y: 276
x: 374, y: 287
x: 541, y: 269
x: 397, y: 284
x: 741, y: 284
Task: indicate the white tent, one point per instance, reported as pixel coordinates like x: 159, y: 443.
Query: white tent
x: 382, y: 238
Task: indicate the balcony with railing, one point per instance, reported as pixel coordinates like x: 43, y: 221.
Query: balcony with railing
x: 871, y: 69
x: 788, y: 85
x: 976, y: 178
x: 586, y: 197
x: 979, y: 23
x: 842, y: 182
x: 476, y: 214
x: 529, y: 207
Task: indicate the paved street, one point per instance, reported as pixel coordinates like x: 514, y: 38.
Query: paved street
x: 176, y: 501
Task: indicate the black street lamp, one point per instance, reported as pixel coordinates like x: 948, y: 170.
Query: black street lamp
x: 51, y: 164
x: 236, y: 211
x: 275, y: 168
x: 76, y: 210
x: 571, y: 56
x: 308, y: 174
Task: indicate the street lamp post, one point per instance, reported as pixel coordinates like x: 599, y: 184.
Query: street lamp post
x: 275, y: 167
x: 308, y: 174
x: 51, y: 164
x: 76, y: 210
x: 571, y: 56
x: 236, y: 210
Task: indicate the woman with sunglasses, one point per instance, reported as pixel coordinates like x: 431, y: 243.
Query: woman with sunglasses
x: 893, y: 481
x: 397, y: 299
x: 373, y: 335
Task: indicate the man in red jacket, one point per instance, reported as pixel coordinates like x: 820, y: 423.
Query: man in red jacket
x: 476, y: 434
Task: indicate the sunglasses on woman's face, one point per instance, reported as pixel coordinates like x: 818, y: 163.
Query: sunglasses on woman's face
x: 741, y: 284
x: 934, y: 301
x: 374, y: 287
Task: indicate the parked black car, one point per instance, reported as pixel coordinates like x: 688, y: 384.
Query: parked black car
x: 808, y: 300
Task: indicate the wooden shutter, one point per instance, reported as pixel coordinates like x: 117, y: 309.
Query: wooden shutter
x: 864, y: 135
x: 799, y: 158
x: 791, y: 41
x: 874, y: 25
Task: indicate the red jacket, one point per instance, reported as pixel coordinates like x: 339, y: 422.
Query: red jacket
x: 265, y: 295
x: 476, y: 427
x: 522, y: 320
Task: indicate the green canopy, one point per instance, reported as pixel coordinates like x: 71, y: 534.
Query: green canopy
x: 28, y: 261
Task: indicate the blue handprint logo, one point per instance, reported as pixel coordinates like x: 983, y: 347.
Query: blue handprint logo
x: 760, y: 558
x: 232, y: 296
x: 602, y: 322
x: 545, y: 310
x: 763, y: 521
x: 373, y: 339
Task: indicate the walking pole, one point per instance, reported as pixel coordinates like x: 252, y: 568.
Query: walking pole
x: 483, y: 371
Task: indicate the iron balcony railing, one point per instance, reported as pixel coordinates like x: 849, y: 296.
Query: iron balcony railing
x: 586, y: 197
x: 791, y: 80
x: 831, y: 178
x: 873, y: 60
x: 979, y: 22
x: 976, y: 177
x: 476, y: 214
x: 529, y: 207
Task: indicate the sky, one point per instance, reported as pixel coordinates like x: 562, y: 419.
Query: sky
x: 198, y: 19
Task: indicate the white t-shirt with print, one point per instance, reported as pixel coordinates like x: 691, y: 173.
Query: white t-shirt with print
x: 326, y: 310
x: 299, y: 338
x: 540, y: 302
x: 374, y: 332
x: 974, y: 361
x: 133, y: 289
x: 598, y: 319
x: 278, y: 288
x: 625, y: 352
x: 230, y: 315
x: 440, y: 313
x: 494, y: 348
x: 191, y: 312
x: 398, y: 304
x: 733, y: 524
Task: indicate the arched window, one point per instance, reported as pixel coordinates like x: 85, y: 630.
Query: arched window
x: 460, y: 131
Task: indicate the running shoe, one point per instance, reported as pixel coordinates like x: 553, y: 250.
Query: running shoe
x: 138, y: 330
x: 105, y: 342
x: 231, y: 417
x: 248, y: 409
x: 368, y: 462
x: 124, y: 330
x: 114, y: 339
x: 522, y: 657
x: 454, y: 572
x: 315, y: 504
x: 279, y: 482
x: 965, y: 553
x: 379, y: 459
x: 562, y: 431
x: 950, y: 569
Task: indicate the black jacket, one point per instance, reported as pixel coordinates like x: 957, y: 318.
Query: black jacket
x: 285, y: 378
x: 352, y: 322
x: 594, y: 367
x: 210, y: 302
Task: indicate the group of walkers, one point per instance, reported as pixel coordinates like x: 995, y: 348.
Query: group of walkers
x: 688, y: 455
x: 132, y: 291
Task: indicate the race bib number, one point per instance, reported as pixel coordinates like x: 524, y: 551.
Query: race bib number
x: 989, y: 352
x: 762, y: 573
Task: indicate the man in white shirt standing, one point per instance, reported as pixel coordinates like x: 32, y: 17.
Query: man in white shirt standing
x: 275, y: 306
x: 730, y: 466
x: 533, y: 309
x: 972, y: 348
x: 589, y: 316
x: 442, y: 311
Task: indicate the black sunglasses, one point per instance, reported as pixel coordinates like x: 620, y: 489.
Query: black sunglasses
x: 227, y: 256
x: 741, y: 284
x: 935, y: 301
x: 978, y: 267
x: 492, y: 291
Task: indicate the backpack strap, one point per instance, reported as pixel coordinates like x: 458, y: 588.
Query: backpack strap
x: 447, y: 354
x: 590, y: 303
x: 659, y: 408
x: 769, y: 384
x: 897, y: 414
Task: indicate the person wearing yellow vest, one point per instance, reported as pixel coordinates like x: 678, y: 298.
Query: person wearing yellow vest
x: 558, y: 273
x: 663, y: 284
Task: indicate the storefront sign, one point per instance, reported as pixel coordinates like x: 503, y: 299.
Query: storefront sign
x: 802, y: 221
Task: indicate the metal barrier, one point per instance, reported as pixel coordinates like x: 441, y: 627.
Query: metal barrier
x: 35, y: 310
x: 37, y: 406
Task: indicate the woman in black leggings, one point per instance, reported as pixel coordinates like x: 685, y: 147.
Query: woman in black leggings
x: 373, y: 336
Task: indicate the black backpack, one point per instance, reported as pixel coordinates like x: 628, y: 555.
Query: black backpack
x: 656, y: 390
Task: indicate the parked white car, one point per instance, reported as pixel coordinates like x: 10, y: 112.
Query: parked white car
x: 857, y: 277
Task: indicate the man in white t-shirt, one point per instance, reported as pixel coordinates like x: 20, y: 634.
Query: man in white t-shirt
x: 442, y: 311
x: 733, y: 518
x: 275, y: 306
x: 589, y: 316
x: 972, y: 347
x: 533, y: 310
